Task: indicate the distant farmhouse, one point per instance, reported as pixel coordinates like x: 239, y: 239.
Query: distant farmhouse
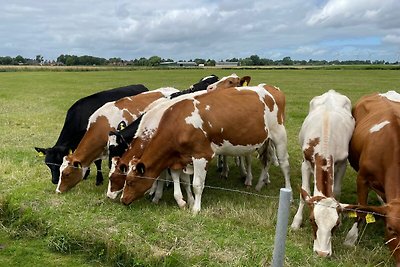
x: 226, y: 64
x: 220, y: 64
x: 179, y: 63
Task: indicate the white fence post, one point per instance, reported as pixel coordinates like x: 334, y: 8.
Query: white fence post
x: 281, y: 227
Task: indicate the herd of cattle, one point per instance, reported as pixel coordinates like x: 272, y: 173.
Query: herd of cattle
x: 149, y: 137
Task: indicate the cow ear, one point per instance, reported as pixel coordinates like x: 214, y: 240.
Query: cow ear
x: 77, y: 164
x: 121, y: 126
x: 41, y: 151
x: 140, y: 168
x: 244, y: 81
x: 304, y: 195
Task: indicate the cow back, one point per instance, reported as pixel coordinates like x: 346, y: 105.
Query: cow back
x: 78, y: 114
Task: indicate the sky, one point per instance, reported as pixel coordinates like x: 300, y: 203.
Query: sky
x: 207, y: 29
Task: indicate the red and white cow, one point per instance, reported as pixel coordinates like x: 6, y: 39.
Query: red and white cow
x: 324, y: 138
x: 94, y: 143
x: 148, y: 126
x: 374, y: 154
x: 234, y: 121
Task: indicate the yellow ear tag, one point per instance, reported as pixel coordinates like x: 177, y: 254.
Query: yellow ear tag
x: 352, y: 214
x: 70, y: 151
x: 245, y: 83
x: 40, y: 154
x: 370, y: 218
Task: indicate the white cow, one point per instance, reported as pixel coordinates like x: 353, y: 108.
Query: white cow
x: 324, y: 138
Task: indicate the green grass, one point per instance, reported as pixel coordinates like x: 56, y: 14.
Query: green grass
x: 233, y: 229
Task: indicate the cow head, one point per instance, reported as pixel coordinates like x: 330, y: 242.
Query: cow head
x: 117, y: 177
x: 137, y: 182
x: 71, y: 173
x: 391, y: 214
x: 324, y: 219
x: 229, y: 81
x: 53, y: 159
x: 116, y: 145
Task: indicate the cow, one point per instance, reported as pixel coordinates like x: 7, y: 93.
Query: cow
x: 233, y: 121
x: 119, y: 140
x: 324, y: 138
x: 374, y: 154
x: 94, y: 143
x: 118, y: 143
x: 75, y: 126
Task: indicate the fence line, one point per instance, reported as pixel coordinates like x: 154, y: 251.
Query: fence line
x: 244, y: 193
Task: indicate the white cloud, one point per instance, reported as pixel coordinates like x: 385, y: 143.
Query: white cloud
x: 182, y: 29
x: 339, y: 13
x: 392, y: 38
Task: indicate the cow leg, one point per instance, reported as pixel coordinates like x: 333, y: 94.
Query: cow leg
x: 87, y: 173
x: 199, y: 177
x: 305, y: 184
x: 177, y: 188
x: 99, y: 174
x: 283, y: 157
x: 219, y: 163
x: 188, y: 188
x: 340, y: 170
x: 224, y: 167
x: 159, y: 187
x: 264, y: 177
x: 249, y: 175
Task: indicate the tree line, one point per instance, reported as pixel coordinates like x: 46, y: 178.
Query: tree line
x: 153, y: 61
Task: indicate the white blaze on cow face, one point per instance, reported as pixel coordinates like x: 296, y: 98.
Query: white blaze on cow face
x: 378, y: 127
x: 61, y: 183
x: 326, y: 218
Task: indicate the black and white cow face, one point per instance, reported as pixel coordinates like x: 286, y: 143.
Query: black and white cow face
x: 53, y: 159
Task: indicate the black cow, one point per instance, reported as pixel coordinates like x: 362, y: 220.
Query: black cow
x: 75, y: 127
x: 125, y: 134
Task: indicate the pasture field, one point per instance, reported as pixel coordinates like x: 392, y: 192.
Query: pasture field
x: 236, y: 226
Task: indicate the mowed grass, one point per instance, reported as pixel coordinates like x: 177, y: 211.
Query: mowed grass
x: 236, y: 226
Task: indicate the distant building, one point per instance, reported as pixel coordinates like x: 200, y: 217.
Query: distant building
x: 226, y: 64
x: 179, y: 63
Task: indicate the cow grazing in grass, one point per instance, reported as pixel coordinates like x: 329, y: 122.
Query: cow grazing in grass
x: 149, y: 126
x: 233, y: 121
x: 374, y: 154
x: 75, y: 126
x: 94, y: 143
x: 324, y: 138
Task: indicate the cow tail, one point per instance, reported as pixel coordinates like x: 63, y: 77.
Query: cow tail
x: 266, y: 153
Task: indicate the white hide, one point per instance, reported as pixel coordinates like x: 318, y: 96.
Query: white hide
x: 378, y: 127
x: 391, y: 95
x: 329, y: 120
x: 64, y: 165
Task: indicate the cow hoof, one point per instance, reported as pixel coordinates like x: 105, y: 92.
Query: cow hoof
x: 182, y: 204
x: 99, y: 183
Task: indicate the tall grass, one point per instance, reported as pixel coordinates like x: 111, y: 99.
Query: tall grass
x: 233, y: 228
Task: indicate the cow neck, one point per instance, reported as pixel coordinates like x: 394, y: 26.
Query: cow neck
x: 91, y: 147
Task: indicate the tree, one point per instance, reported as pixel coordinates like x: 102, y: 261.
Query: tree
x: 287, y: 61
x: 19, y: 59
x: 39, y: 59
x: 256, y: 60
x: 154, y: 61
